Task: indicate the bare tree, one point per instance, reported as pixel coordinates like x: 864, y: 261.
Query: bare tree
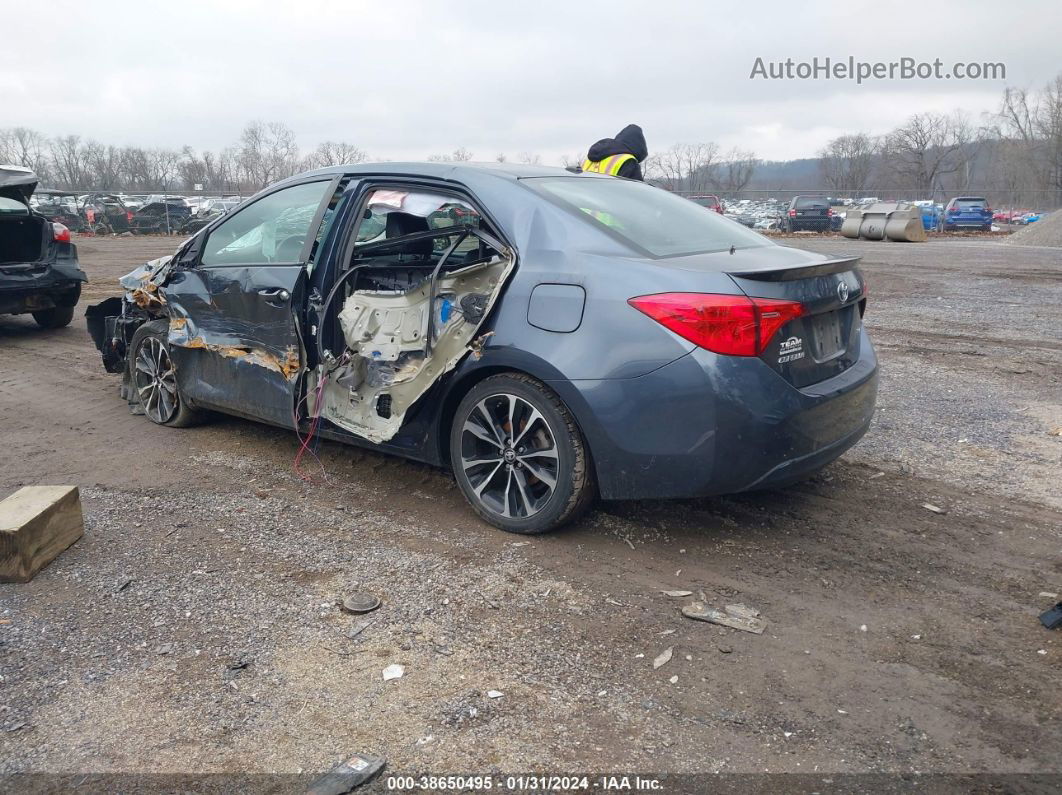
x: 928, y: 147
x: 530, y: 158
x: 68, y: 160
x: 22, y: 146
x: 736, y: 170
x: 685, y: 167
x: 459, y: 155
x: 334, y: 153
x: 268, y: 152
x: 103, y: 165
x: 846, y: 162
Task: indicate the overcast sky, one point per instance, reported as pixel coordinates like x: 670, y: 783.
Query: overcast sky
x: 404, y: 80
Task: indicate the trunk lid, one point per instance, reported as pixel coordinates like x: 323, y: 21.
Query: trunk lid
x: 824, y: 340
x: 17, y: 183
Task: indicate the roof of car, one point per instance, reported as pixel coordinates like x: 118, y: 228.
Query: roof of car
x: 446, y: 169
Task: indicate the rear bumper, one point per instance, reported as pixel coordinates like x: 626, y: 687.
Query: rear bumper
x: 37, y: 288
x: 706, y: 425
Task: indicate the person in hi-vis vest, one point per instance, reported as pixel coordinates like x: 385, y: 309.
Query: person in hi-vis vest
x: 619, y: 156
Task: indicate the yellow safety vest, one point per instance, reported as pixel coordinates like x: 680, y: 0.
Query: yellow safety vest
x: 611, y: 165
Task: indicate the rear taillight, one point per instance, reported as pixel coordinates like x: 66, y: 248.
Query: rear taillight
x: 730, y: 324
x: 129, y: 216
x: 792, y: 213
x: 829, y: 212
x: 60, y: 234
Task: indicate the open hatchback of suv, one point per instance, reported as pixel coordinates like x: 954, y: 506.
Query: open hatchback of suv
x: 39, y: 271
x: 548, y: 336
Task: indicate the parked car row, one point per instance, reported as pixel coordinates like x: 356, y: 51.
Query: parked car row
x: 114, y: 213
x: 821, y: 214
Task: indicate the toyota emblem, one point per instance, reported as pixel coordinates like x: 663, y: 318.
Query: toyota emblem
x: 842, y: 291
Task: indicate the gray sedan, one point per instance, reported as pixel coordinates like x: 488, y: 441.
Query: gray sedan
x: 550, y: 337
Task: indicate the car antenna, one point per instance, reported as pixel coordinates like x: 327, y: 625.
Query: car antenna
x: 732, y: 248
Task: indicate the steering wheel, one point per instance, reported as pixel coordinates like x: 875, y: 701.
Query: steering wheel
x: 289, y: 249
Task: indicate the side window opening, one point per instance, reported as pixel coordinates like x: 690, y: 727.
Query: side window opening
x: 426, y: 268
x: 271, y: 230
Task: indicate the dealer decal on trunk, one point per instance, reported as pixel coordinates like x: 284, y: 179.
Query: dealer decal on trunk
x: 790, y: 350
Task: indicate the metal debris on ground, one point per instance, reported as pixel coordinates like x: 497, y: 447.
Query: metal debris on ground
x: 1052, y: 619
x: 734, y: 616
x: 664, y: 657
x: 358, y: 628
x: 393, y: 671
x: 358, y: 770
x: 357, y: 603
x: 677, y: 594
x: 931, y: 507
x: 494, y: 694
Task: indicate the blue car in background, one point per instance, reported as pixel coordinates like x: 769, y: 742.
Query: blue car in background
x: 967, y: 212
x: 931, y: 216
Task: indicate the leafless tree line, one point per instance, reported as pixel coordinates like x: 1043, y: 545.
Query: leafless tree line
x: 1016, y: 153
x: 265, y: 153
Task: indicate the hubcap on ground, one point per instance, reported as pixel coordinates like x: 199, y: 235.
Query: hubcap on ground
x: 509, y: 455
x: 155, y: 380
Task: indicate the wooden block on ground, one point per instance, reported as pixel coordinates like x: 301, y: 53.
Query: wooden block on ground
x: 36, y: 524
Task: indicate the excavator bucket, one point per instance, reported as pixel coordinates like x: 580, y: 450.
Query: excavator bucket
x: 897, y: 221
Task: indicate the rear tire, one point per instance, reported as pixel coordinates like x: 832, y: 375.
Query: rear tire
x: 56, y: 317
x: 518, y: 456
x: 154, y: 378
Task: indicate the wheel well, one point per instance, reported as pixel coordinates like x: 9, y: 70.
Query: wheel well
x: 463, y: 387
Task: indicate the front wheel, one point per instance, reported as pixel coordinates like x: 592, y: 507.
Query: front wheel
x: 519, y: 457
x: 154, y: 378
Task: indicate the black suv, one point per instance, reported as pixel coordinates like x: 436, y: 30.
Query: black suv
x: 39, y: 271
x: 808, y: 213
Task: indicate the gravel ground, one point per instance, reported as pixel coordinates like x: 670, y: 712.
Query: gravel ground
x: 195, y: 629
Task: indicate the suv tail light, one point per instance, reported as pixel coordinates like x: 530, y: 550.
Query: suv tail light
x: 734, y: 325
x: 129, y: 216
x: 792, y: 213
x: 60, y: 234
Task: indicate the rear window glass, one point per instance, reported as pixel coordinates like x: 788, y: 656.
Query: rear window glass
x: 709, y: 201
x: 658, y: 222
x: 8, y: 205
x: 971, y: 204
x: 810, y: 204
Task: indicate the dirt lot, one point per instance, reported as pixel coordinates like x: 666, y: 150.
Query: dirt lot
x: 194, y: 627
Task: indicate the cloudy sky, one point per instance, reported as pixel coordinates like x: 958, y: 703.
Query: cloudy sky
x: 404, y: 80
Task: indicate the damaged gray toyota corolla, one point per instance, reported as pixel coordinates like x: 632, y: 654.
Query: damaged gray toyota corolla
x: 548, y: 336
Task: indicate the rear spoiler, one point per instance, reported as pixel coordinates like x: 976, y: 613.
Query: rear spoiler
x: 823, y: 268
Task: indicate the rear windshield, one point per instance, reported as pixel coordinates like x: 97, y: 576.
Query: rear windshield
x: 8, y: 206
x: 709, y: 201
x: 971, y: 204
x: 804, y: 203
x: 658, y: 222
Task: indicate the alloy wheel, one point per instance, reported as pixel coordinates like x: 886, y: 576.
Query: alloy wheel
x: 509, y: 455
x: 156, y: 381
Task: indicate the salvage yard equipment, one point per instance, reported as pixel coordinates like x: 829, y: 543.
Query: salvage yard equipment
x: 898, y: 221
x: 36, y: 524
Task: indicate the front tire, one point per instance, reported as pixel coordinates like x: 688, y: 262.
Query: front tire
x: 518, y: 456
x: 154, y: 378
x: 56, y: 317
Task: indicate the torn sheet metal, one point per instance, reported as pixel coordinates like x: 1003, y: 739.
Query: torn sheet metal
x: 389, y: 365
